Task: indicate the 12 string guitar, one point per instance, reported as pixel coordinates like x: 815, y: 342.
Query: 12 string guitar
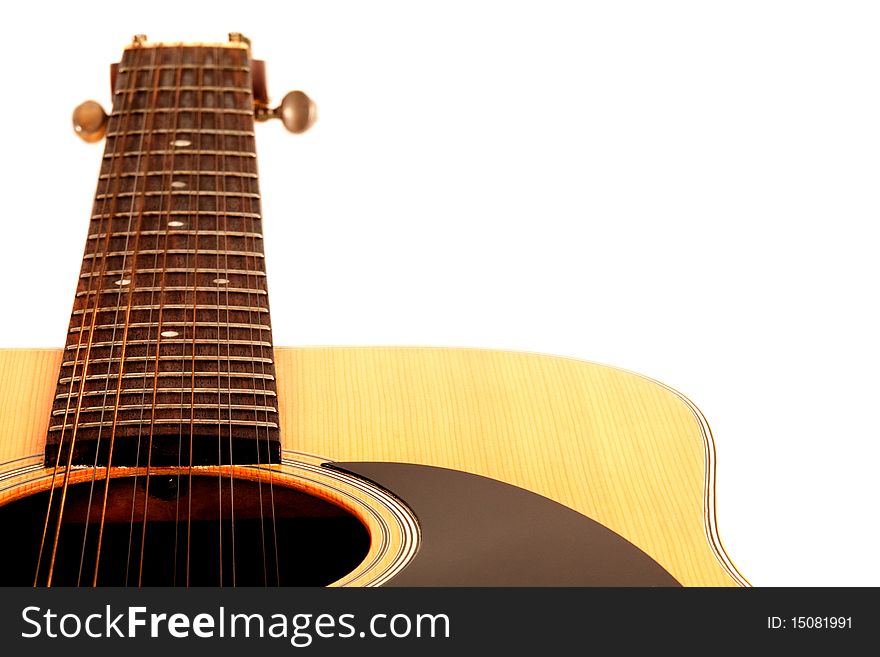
x: 170, y: 443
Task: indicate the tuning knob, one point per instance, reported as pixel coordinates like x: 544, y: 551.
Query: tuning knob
x: 297, y: 112
x: 90, y: 121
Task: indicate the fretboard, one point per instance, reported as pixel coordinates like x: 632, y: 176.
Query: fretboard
x: 169, y: 353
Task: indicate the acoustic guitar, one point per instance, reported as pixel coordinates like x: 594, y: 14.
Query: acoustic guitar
x: 170, y: 443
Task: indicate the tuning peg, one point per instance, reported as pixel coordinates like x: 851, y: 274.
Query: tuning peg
x: 297, y: 112
x: 90, y: 121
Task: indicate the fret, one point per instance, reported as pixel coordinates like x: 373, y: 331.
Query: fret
x: 185, y: 87
x: 102, y: 327
x: 174, y: 131
x: 176, y: 358
x: 175, y: 67
x: 169, y: 195
x: 179, y: 172
x: 166, y: 375
x: 181, y: 421
x: 182, y: 132
x: 176, y: 270
x: 120, y: 113
x: 152, y: 185
x: 177, y: 231
x: 218, y: 289
x: 168, y: 391
x: 163, y: 161
x: 175, y: 306
x: 177, y: 213
x: 203, y: 252
x: 201, y: 262
x: 204, y: 244
x: 98, y: 345
x: 215, y: 352
x: 177, y: 192
x: 163, y: 407
x: 179, y: 151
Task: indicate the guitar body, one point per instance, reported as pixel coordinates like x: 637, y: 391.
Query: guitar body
x: 467, y: 467
x: 170, y: 444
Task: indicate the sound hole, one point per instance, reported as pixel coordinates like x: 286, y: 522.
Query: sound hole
x: 206, y: 531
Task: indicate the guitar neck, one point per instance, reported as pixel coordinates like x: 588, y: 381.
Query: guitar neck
x: 169, y: 353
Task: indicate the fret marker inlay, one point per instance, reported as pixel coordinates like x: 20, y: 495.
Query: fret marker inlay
x: 181, y: 143
x: 122, y: 281
x: 175, y: 224
x: 169, y: 334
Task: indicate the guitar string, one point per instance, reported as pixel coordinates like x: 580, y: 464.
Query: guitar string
x: 249, y: 203
x: 219, y: 423
x: 166, y: 166
x: 69, y: 395
x: 148, y: 131
x: 200, y: 77
x: 140, y: 222
x: 103, y: 400
x: 113, y: 201
x: 219, y: 394
x: 134, y: 478
x: 251, y: 246
x: 220, y: 185
x: 136, y: 56
x: 192, y: 178
x: 146, y: 140
x: 189, y: 185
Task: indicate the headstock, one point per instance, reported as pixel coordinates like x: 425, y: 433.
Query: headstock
x: 297, y: 111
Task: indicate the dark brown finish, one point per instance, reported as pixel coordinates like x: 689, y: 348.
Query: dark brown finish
x: 477, y: 531
x: 258, y: 72
x: 114, y: 71
x: 170, y: 335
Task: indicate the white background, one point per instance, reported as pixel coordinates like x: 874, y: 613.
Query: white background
x: 684, y: 189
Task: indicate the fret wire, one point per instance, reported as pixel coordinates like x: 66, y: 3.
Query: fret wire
x: 185, y: 88
x: 166, y: 67
x: 101, y: 345
x: 165, y: 375
x: 177, y: 231
x: 184, y: 131
x: 118, y: 254
x: 104, y: 327
x: 178, y: 192
x: 181, y: 172
x: 182, y: 151
x: 175, y: 213
x: 168, y: 110
x: 181, y: 357
x: 171, y: 390
x: 176, y: 306
x: 164, y: 407
x: 215, y: 288
x: 212, y: 422
x: 177, y: 270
